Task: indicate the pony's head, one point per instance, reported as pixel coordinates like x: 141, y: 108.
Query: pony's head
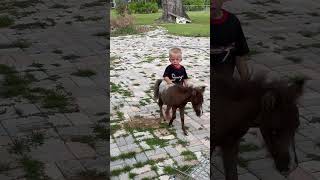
x: 197, y: 99
x: 279, y: 121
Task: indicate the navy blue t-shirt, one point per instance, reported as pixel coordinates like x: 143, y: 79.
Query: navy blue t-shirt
x: 175, y: 74
x: 227, y: 32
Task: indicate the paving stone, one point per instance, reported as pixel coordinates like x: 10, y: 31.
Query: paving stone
x: 141, y: 157
x: 8, y: 158
x: 26, y: 109
x: 25, y: 125
x: 15, y: 173
x: 141, y: 170
x: 260, y: 164
x: 98, y: 164
x: 129, y: 139
x: 78, y: 118
x: 59, y: 120
x: 52, y: 171
x: 101, y: 147
x: 81, y: 150
x: 124, y: 176
x: 311, y: 166
x: 120, y: 141
x: 247, y: 176
x: 56, y: 148
x: 70, y: 168
x: 130, y: 161
x: 268, y: 174
x: 75, y: 131
x: 171, y: 151
x: 117, y: 162
x: 115, y: 152
x: 149, y: 174
x: 5, y: 140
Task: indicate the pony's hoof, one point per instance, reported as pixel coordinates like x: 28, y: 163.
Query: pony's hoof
x: 170, y: 124
x: 185, y: 133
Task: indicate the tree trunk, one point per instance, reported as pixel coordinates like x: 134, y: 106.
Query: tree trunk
x: 174, y: 7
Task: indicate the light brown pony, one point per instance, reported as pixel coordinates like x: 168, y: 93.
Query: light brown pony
x: 178, y: 96
x: 271, y: 106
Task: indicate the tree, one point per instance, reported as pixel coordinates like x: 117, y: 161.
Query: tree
x: 171, y: 9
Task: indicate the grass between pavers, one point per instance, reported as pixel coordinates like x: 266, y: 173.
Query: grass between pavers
x: 24, y: 144
x: 82, y: 18
x: 156, y: 142
x: 199, y: 27
x: 17, y: 85
x: 59, y: 6
x: 117, y: 88
x: 70, y: 57
x: 84, y: 73
x: 188, y: 155
x: 248, y: 147
x: 101, y: 131
x: 92, y: 174
x: 6, y: 21
x: 313, y: 157
x: 132, y: 175
x: 243, y: 162
x: 126, y: 155
x: 34, y: 169
x: 4, y: 167
x: 117, y: 172
x: 19, y: 43
x: 294, y: 59
x: 93, y: 4
x: 173, y: 171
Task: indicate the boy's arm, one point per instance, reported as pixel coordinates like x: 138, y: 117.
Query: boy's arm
x: 242, y: 67
x: 168, y: 80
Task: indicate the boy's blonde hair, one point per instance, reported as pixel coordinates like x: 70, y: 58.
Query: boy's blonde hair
x: 175, y: 51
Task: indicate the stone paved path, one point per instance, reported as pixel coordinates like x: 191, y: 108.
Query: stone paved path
x: 136, y: 62
x: 284, y: 38
x: 53, y: 109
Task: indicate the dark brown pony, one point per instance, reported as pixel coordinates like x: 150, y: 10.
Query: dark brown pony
x: 271, y: 106
x: 178, y: 96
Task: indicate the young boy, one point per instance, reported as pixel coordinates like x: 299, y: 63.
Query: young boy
x: 175, y: 72
x: 229, y: 48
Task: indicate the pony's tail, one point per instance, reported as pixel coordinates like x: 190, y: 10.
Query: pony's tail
x: 156, y: 89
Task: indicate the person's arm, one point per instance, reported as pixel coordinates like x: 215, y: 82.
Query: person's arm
x: 242, y: 67
x: 169, y: 81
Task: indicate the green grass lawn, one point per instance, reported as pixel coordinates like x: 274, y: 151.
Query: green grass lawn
x: 200, y: 25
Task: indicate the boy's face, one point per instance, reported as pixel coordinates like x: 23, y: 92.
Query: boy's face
x: 175, y: 59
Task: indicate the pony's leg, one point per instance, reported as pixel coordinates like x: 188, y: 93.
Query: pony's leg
x: 174, y: 109
x: 167, y: 113
x: 160, y: 103
x: 229, y: 156
x: 182, y: 120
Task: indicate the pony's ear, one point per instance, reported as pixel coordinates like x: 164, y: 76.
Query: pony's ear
x: 296, y: 86
x: 268, y: 101
x: 202, y: 88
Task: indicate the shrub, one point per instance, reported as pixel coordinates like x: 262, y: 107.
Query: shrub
x: 122, y: 22
x: 122, y: 8
x: 143, y: 7
x: 193, y: 5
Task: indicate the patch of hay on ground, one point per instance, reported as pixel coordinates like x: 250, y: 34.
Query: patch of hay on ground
x: 143, y: 122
